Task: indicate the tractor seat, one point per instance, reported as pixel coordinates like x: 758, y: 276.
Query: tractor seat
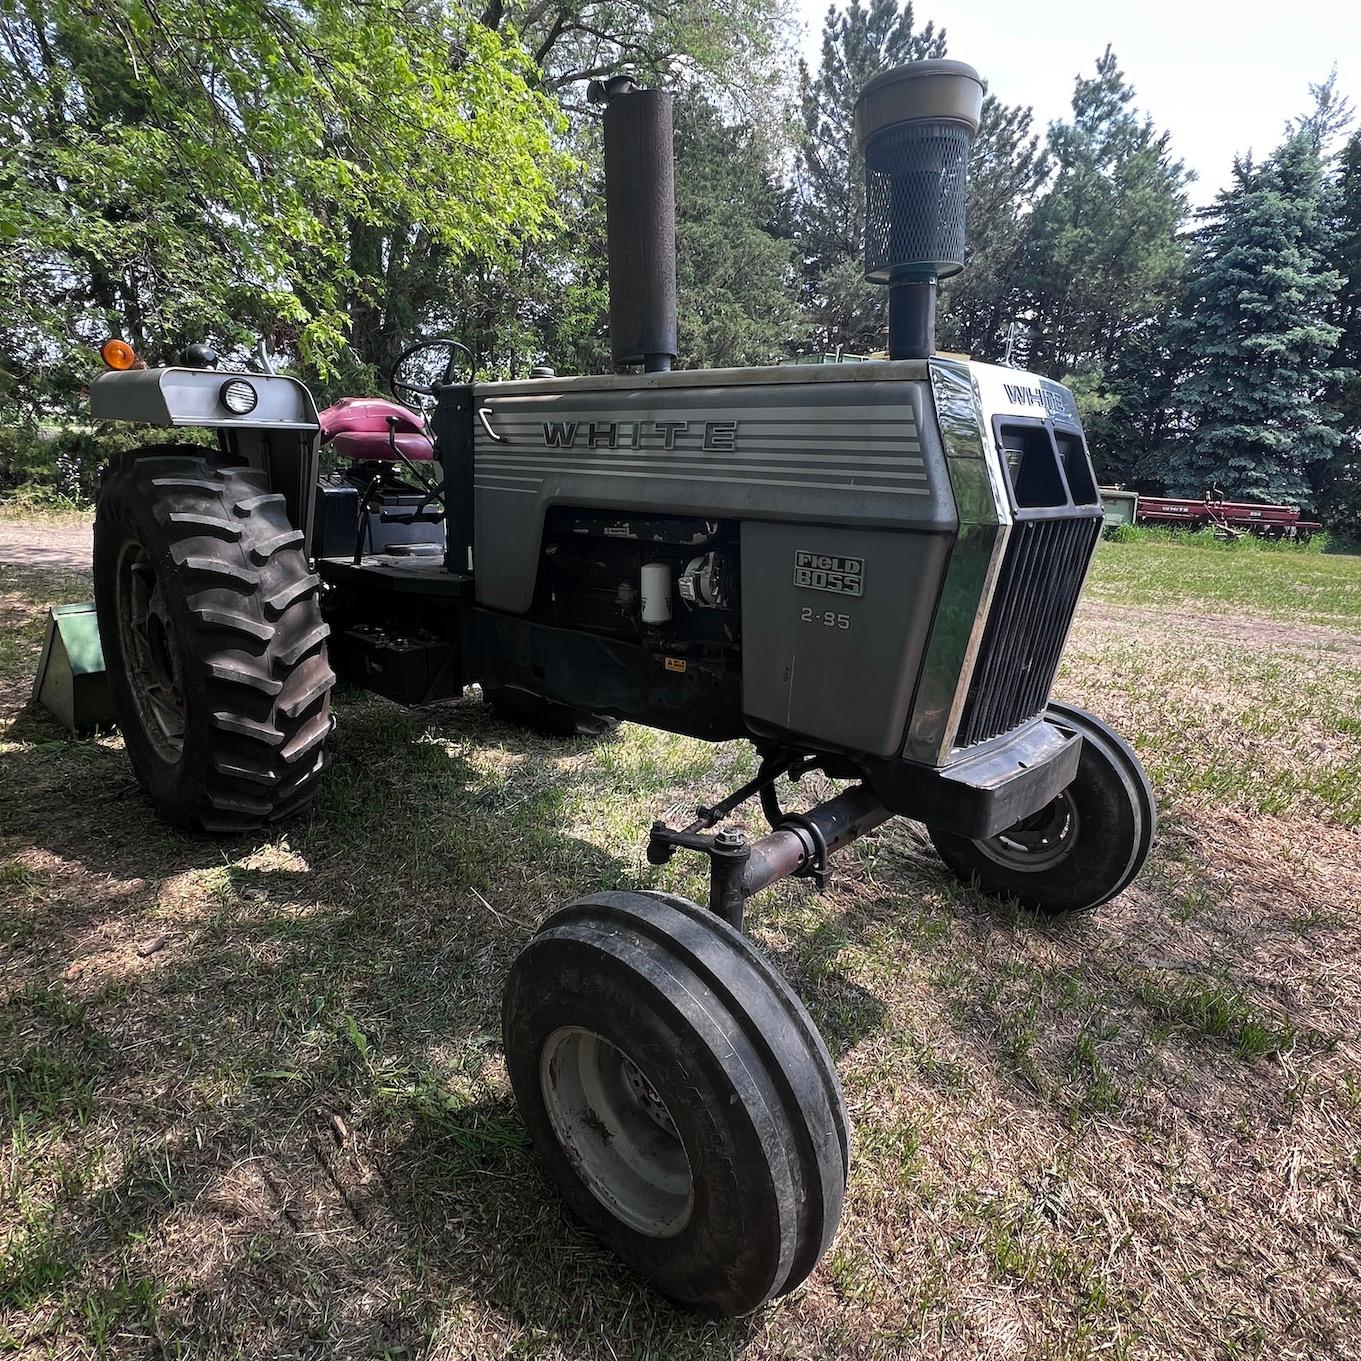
x: 357, y: 428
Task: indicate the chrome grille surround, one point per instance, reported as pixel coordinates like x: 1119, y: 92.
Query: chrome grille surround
x: 985, y: 520
x: 1015, y: 577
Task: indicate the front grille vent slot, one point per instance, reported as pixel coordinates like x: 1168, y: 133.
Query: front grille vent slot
x: 1037, y: 591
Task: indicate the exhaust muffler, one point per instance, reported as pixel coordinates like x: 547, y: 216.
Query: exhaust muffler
x: 640, y: 214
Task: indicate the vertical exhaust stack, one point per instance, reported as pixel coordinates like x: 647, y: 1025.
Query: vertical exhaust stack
x: 640, y: 212
x: 914, y: 125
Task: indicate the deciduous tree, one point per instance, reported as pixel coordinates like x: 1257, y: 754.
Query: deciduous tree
x: 549, y: 302
x: 173, y: 170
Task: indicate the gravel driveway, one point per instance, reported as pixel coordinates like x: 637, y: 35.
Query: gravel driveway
x: 45, y: 546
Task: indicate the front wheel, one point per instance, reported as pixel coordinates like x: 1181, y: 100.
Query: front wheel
x: 213, y: 637
x: 679, y: 1096
x: 1081, y: 849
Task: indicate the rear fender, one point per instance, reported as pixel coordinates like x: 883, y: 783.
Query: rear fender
x: 280, y: 436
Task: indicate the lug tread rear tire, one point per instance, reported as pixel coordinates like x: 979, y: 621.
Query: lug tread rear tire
x: 245, y: 617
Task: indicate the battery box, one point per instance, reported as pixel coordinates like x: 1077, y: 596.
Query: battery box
x: 337, y: 521
x: 412, y: 668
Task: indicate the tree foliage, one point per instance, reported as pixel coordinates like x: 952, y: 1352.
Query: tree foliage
x: 344, y: 176
x: 174, y: 170
x: 1007, y: 169
x: 1103, y: 253
x: 735, y: 264
x: 829, y: 211
x: 549, y: 302
x: 573, y: 41
x: 1337, y: 483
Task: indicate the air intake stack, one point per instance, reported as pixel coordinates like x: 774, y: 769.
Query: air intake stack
x: 640, y: 214
x: 914, y: 125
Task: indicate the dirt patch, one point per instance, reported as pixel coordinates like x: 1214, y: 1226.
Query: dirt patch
x: 1242, y: 629
x: 46, y: 547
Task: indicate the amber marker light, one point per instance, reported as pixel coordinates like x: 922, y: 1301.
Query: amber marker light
x: 117, y: 354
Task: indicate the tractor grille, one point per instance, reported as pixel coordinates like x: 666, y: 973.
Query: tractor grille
x: 1037, y: 591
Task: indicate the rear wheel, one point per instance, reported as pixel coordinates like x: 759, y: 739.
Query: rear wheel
x: 546, y: 716
x: 1081, y: 849
x: 213, y: 639
x: 679, y: 1096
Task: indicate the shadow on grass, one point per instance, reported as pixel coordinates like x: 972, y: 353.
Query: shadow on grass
x: 1168, y: 991
x: 253, y: 1087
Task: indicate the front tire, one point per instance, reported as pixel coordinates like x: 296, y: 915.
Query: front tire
x: 213, y: 639
x: 1080, y: 850
x: 679, y: 1096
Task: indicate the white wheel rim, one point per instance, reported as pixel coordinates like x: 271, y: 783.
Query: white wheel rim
x: 617, y: 1132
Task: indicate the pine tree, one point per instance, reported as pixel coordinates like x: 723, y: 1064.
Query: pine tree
x: 1006, y: 169
x: 735, y: 263
x: 1337, y: 483
x: 1258, y: 335
x: 1327, y: 120
x: 1138, y: 420
x: 1104, y: 255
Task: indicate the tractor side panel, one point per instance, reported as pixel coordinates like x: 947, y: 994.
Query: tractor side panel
x: 862, y: 454
x: 834, y: 625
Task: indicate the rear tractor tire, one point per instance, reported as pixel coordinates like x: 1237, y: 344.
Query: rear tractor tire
x: 546, y: 716
x: 679, y: 1096
x: 213, y: 639
x: 1080, y: 850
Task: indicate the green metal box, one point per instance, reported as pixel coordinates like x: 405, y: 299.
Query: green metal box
x: 71, y: 682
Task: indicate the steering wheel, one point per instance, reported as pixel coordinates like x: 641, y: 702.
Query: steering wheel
x: 423, y: 368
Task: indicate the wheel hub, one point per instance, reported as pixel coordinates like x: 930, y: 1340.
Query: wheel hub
x: 165, y: 657
x: 646, y: 1096
x: 1039, y: 842
x: 616, y: 1131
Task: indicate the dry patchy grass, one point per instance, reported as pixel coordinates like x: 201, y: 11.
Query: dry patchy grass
x: 27, y: 508
x: 253, y: 1102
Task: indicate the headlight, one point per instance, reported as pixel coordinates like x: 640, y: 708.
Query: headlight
x: 239, y: 396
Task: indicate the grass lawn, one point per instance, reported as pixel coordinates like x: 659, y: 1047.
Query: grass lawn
x: 253, y: 1103
x: 1275, y: 583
